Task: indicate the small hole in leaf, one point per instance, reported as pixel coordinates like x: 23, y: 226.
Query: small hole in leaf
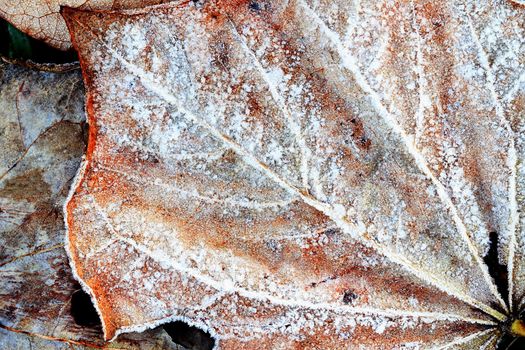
x: 496, y: 270
x: 349, y: 296
x: 188, y: 336
x: 82, y: 310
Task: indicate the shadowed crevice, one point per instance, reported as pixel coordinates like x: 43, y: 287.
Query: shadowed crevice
x: 497, y: 271
x: 190, y: 337
x: 508, y: 342
x: 16, y: 45
x: 83, y: 311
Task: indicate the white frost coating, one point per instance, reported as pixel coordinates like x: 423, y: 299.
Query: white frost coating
x: 352, y: 21
x: 355, y: 230
x: 424, y: 100
x: 489, y: 344
x: 519, y: 84
x: 272, y: 79
x: 228, y: 287
x: 405, y: 223
x: 100, y: 249
x: 67, y: 243
x: 231, y: 201
x: 137, y: 328
x: 338, y: 218
x: 453, y: 175
x: 348, y: 62
x: 463, y: 340
x: 401, y: 233
x: 511, y: 161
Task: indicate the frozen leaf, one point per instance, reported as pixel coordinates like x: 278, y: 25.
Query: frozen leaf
x: 41, y: 18
x: 41, y: 138
x: 285, y: 174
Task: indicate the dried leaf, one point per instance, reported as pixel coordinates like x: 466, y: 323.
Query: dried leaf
x: 303, y: 174
x: 41, y: 18
x: 41, y: 116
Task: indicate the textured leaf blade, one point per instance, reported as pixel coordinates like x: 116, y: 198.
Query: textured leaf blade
x: 240, y: 151
x: 453, y: 86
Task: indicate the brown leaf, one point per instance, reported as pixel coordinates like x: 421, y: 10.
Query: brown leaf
x: 41, y: 116
x: 291, y: 174
x: 41, y: 18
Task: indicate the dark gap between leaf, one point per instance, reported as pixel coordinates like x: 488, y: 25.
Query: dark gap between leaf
x: 83, y: 311
x: 16, y: 45
x: 496, y: 270
x: 508, y: 342
x: 190, y: 337
x: 499, y: 273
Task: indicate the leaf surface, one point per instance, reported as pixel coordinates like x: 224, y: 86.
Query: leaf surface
x: 41, y: 116
x: 302, y: 174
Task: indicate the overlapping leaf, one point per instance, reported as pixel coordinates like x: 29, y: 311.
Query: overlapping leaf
x: 41, y: 138
x: 41, y: 18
